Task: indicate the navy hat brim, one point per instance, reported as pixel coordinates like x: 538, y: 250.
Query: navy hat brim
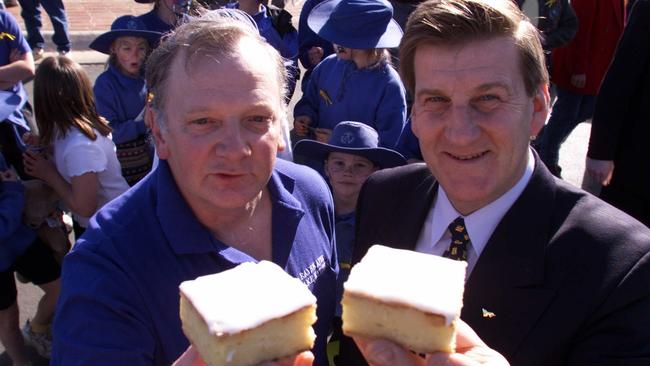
x: 318, y: 151
x: 103, y: 42
x: 318, y: 22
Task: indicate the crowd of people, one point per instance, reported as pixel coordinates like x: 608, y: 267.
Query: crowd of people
x: 178, y: 162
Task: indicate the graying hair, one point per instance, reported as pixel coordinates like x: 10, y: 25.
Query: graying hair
x: 211, y: 36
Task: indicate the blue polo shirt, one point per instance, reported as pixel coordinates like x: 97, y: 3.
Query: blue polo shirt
x: 153, y: 22
x: 119, y: 301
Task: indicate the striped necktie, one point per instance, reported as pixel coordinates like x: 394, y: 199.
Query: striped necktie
x: 459, y: 241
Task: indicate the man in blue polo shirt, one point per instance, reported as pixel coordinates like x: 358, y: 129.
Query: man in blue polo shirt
x: 217, y: 199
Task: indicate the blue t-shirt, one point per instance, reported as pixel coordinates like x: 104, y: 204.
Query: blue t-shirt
x: 338, y: 91
x: 119, y: 301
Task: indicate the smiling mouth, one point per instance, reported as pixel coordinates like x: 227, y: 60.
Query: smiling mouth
x: 467, y: 157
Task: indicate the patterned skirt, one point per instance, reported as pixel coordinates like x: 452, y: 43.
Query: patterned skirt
x: 135, y: 159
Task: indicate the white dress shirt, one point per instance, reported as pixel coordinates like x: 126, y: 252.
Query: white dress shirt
x: 480, y: 224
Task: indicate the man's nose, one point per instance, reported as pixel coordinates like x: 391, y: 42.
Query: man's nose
x: 232, y: 142
x: 462, y: 126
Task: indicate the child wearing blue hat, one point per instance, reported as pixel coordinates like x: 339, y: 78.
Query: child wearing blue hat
x: 120, y: 92
x: 350, y: 156
x: 358, y: 82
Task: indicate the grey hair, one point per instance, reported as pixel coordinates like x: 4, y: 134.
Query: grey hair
x: 213, y: 35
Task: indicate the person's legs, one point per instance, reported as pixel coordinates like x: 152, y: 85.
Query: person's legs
x: 10, y: 335
x: 568, y: 111
x: 56, y: 11
x: 38, y: 264
x: 32, y: 16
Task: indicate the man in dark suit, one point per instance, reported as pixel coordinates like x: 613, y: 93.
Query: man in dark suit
x: 618, y: 153
x: 556, y: 276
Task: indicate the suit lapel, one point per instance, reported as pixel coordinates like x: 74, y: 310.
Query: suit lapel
x: 410, y: 214
x: 505, y: 294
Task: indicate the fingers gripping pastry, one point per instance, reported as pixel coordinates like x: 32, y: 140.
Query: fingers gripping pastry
x: 411, y: 298
x: 247, y: 315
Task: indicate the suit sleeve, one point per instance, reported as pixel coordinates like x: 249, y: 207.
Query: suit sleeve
x: 620, y: 331
x: 621, y: 83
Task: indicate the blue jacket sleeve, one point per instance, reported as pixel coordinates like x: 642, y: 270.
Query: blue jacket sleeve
x: 12, y: 202
x: 308, y: 105
x: 106, y: 97
x: 391, y: 112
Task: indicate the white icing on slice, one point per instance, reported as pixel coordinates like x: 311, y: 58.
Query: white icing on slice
x: 426, y: 282
x: 246, y: 296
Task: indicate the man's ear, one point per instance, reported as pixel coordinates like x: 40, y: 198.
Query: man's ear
x: 283, y: 130
x: 152, y: 120
x: 541, y: 108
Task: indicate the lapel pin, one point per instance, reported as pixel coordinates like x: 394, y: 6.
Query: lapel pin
x: 488, y: 314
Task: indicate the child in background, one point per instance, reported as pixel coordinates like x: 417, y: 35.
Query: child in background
x: 167, y: 14
x: 83, y: 169
x: 358, y: 82
x: 350, y: 156
x: 121, y: 92
x: 21, y: 251
x: 274, y: 24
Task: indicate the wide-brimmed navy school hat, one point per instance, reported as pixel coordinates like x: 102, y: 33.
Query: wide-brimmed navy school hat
x: 360, y: 24
x: 125, y: 26
x: 351, y: 138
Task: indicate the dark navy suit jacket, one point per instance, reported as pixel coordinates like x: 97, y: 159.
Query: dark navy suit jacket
x: 566, y: 275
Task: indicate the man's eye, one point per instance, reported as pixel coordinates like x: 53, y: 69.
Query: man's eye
x: 435, y: 99
x: 487, y: 98
x: 259, y: 119
x: 201, y: 121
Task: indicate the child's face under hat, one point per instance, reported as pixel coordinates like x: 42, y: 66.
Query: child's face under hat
x: 130, y: 53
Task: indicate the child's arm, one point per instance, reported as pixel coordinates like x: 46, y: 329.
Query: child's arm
x: 80, y: 195
x: 12, y: 202
x: 21, y: 62
x: 108, y: 106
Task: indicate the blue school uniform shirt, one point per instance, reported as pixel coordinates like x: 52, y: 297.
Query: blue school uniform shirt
x: 286, y: 45
x: 15, y: 237
x: 345, y: 225
x: 120, y: 98
x: 119, y: 302
x: 338, y: 91
x: 11, y: 38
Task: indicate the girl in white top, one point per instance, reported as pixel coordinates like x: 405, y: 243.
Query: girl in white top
x: 84, y: 170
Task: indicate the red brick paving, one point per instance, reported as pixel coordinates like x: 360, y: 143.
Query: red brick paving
x: 90, y: 15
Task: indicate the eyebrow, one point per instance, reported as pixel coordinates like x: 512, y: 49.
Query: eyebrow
x: 480, y: 88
